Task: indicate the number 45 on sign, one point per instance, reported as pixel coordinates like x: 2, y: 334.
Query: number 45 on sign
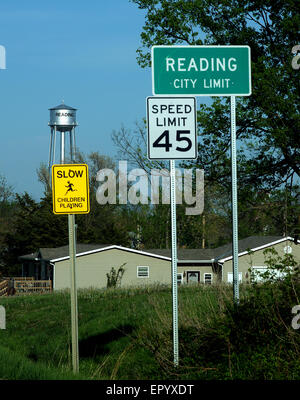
x: 172, y: 128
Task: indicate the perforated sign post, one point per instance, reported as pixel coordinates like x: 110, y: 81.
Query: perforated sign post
x: 70, y: 193
x: 201, y: 71
x: 172, y: 135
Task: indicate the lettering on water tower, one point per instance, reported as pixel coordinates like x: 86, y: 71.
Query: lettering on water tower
x: 70, y: 189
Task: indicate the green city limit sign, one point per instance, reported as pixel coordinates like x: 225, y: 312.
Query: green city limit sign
x: 201, y: 70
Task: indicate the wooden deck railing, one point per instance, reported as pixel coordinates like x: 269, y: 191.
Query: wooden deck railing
x: 31, y: 286
x: 4, y: 287
x: 23, y: 278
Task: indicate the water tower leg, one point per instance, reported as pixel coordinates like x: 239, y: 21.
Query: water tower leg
x: 50, y: 149
x: 71, y: 146
x: 54, y: 144
x: 74, y: 143
x: 62, y: 147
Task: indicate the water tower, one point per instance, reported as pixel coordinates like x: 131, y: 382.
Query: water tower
x: 62, y: 120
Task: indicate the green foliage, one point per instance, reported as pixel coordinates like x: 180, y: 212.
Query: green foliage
x: 114, y: 277
x: 15, y: 367
x: 30, y: 225
x: 268, y: 121
x: 34, y: 225
x: 217, y: 340
x: 279, y: 268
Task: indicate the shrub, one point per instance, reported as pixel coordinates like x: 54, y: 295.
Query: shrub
x: 114, y: 277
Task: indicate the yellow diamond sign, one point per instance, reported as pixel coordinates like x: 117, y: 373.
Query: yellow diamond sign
x: 70, y: 189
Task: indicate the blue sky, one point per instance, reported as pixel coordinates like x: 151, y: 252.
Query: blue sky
x: 82, y: 52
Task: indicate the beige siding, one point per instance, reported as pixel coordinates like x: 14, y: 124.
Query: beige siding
x: 258, y: 259
x: 91, y: 269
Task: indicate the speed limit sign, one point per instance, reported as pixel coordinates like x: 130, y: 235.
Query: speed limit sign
x: 172, y: 128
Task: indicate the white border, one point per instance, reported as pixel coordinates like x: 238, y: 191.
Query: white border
x: 53, y: 279
x: 195, y: 132
x: 202, y: 95
x: 113, y: 247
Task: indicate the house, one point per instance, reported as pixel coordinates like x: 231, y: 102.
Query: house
x: 150, y: 266
x: 255, y: 258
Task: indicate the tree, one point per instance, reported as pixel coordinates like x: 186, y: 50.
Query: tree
x: 269, y: 119
x: 34, y: 225
x: 7, y: 209
x: 102, y: 224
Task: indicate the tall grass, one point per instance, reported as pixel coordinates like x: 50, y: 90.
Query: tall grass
x: 127, y: 334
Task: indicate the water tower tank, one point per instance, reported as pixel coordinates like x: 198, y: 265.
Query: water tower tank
x: 63, y: 117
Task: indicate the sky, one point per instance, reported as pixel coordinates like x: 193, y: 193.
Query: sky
x: 81, y: 52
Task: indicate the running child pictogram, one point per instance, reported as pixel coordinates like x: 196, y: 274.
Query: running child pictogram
x: 70, y: 188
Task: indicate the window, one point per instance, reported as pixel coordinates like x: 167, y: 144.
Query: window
x: 288, y: 250
x: 193, y: 276
x: 142, y: 272
x: 207, y: 279
x: 179, y: 278
x: 257, y: 273
x: 230, y: 277
x: 273, y: 273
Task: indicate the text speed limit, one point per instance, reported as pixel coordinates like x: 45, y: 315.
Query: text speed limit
x: 172, y: 128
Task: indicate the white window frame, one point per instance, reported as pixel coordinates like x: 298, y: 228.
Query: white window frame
x: 211, y: 277
x: 142, y: 266
x: 288, y: 249
x: 181, y: 278
x: 198, y: 271
x: 231, y: 273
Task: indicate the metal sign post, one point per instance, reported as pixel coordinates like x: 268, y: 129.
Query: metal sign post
x: 174, y: 261
x: 234, y: 203
x: 172, y: 134
x: 74, y: 307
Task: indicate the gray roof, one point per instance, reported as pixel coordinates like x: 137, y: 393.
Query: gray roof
x: 200, y: 255
x: 251, y: 242
x: 50, y: 253
x: 218, y: 253
x: 185, y: 254
x: 62, y: 107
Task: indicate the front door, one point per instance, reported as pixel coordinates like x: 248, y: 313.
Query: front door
x: 193, y: 276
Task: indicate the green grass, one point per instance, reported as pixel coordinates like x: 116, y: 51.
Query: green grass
x: 38, y: 331
x: 127, y: 334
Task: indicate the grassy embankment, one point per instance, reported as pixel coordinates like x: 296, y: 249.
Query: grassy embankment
x: 127, y: 334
